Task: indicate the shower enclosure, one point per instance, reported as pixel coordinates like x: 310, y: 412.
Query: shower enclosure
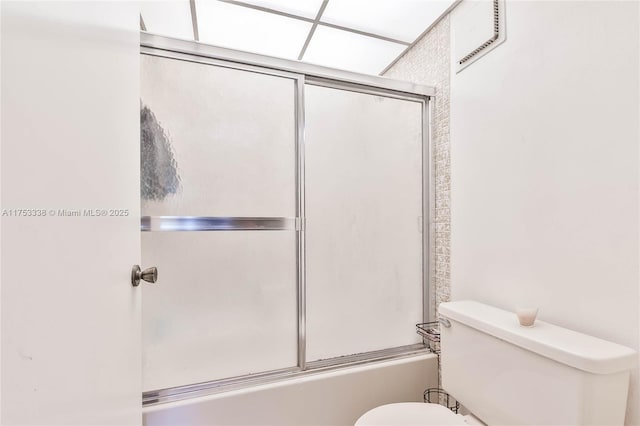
x: 286, y: 207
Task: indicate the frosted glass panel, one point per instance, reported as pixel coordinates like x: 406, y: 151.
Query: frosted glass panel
x: 403, y: 20
x: 216, y: 141
x: 355, y: 53
x: 306, y: 8
x: 363, y: 213
x: 242, y: 28
x: 225, y: 305
x: 167, y: 17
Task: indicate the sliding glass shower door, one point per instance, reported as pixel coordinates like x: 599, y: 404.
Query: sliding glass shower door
x: 364, y: 187
x: 286, y: 216
x: 218, y: 154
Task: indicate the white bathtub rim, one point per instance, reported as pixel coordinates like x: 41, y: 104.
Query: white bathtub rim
x: 291, y: 381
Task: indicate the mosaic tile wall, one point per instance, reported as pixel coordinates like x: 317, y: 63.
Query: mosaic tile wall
x: 428, y: 62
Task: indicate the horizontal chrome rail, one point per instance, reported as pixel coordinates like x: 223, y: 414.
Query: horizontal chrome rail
x: 378, y: 355
x: 149, y: 41
x: 205, y: 388
x: 358, y: 88
x: 179, y: 393
x: 206, y: 223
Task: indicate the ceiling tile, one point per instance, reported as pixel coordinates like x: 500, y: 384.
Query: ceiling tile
x: 167, y: 17
x: 237, y: 27
x: 354, y: 52
x: 304, y: 8
x: 402, y: 20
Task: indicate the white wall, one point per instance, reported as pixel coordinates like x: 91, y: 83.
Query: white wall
x: 332, y: 398
x: 544, y: 136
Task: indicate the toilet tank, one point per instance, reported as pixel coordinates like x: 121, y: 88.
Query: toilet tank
x: 506, y: 374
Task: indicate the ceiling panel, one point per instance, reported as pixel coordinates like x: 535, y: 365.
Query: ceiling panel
x: 242, y: 28
x: 349, y: 51
x: 168, y: 17
x: 402, y: 20
x: 305, y: 8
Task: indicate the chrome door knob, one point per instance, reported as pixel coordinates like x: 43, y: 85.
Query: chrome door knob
x: 149, y: 275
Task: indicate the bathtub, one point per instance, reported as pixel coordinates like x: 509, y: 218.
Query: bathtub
x: 336, y: 397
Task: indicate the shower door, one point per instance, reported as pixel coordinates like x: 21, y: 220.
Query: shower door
x: 364, y: 218
x: 219, y: 203
x: 286, y: 215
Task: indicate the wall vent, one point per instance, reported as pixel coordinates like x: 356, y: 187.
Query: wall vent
x: 469, y: 28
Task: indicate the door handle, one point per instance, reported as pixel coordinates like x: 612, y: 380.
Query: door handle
x: 149, y: 275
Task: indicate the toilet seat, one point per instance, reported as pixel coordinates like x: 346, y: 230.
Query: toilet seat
x: 411, y: 414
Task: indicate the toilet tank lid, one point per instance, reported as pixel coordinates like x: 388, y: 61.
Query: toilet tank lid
x: 569, y: 347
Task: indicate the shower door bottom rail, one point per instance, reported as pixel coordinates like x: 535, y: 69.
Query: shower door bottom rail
x: 178, y: 393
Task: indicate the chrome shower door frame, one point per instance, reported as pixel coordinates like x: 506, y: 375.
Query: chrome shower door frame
x: 301, y: 74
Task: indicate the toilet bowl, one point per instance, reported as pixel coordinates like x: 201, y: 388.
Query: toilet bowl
x: 414, y: 414
x: 507, y: 374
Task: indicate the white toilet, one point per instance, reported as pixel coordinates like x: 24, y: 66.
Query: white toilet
x: 506, y: 374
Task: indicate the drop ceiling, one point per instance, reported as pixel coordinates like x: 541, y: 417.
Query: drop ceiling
x: 365, y: 36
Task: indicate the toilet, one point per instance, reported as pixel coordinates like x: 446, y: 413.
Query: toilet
x: 505, y: 374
